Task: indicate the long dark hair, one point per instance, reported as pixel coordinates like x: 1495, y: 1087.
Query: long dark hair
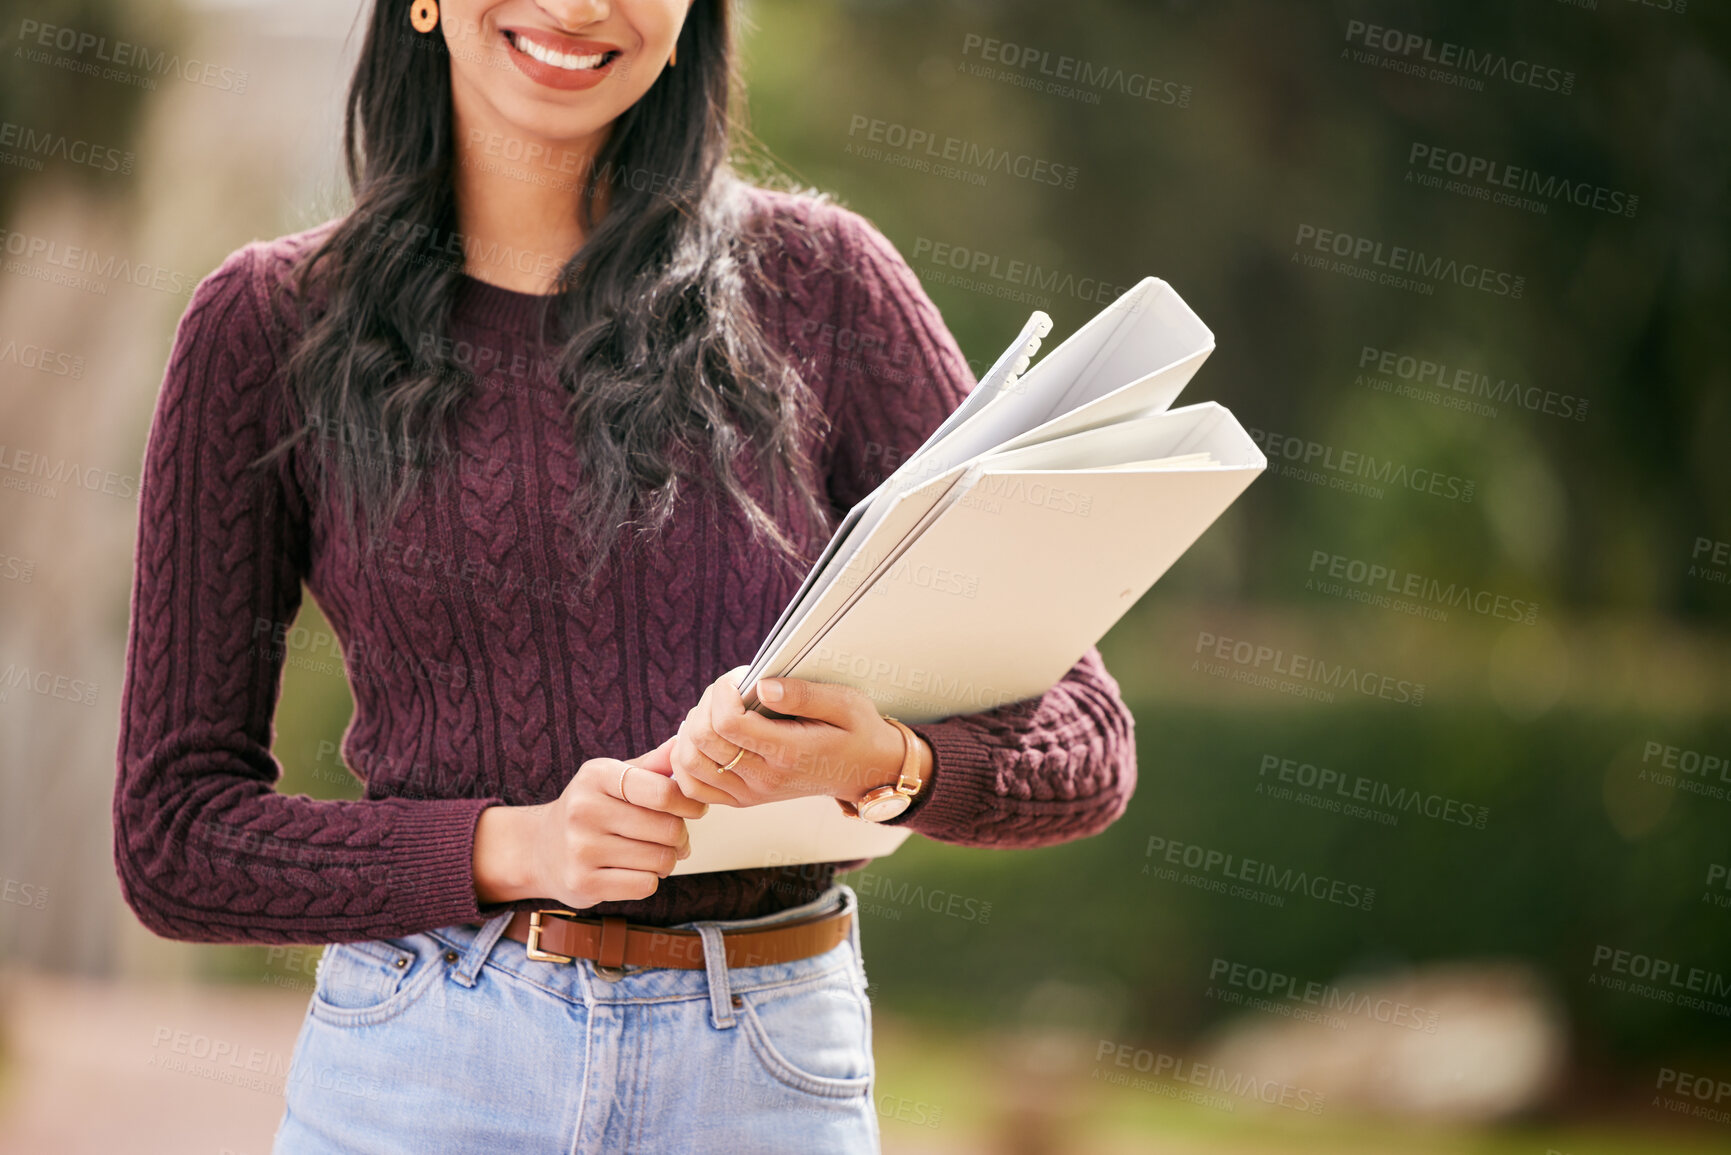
x: 659, y: 352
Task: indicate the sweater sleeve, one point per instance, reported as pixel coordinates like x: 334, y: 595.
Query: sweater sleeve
x: 1045, y: 770
x: 206, y: 849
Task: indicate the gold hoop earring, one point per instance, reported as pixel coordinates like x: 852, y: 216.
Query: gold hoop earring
x: 424, y: 15
x: 674, y: 59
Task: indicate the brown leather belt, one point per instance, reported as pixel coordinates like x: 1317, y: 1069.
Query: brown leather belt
x: 613, y: 943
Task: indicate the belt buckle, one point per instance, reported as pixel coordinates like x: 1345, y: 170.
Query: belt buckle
x: 534, y: 944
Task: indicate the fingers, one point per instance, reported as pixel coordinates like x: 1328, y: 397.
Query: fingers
x: 710, y: 750
x: 697, y: 774
x: 699, y: 753
x: 609, y: 884
x: 838, y: 705
x: 658, y: 759
x: 642, y: 825
x: 699, y: 730
x: 710, y: 794
x: 734, y: 728
x: 612, y: 852
x: 652, y: 791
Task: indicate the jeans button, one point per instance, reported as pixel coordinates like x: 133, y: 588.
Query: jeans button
x: 611, y: 974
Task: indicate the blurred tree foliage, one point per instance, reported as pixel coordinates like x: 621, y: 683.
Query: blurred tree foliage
x: 1281, y: 131
x: 45, y: 100
x: 1591, y: 519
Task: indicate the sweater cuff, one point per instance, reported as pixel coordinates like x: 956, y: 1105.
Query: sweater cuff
x: 432, y: 861
x: 962, y: 790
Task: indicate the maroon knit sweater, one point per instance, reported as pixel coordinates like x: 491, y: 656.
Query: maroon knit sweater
x: 480, y: 677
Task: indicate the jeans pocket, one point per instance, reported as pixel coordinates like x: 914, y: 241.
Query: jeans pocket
x: 812, y: 1035
x: 366, y: 982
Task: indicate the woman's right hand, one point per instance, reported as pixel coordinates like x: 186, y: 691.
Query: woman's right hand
x: 589, y: 845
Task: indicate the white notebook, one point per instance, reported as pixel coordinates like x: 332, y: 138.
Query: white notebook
x: 981, y: 570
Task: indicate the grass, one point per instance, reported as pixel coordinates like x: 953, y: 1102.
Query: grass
x: 993, y: 1094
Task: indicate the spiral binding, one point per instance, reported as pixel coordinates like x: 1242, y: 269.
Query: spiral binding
x: 1015, y: 360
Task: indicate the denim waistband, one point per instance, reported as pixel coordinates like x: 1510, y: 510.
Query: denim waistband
x: 581, y: 982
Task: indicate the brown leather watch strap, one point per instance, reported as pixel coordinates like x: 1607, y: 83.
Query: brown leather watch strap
x: 611, y: 941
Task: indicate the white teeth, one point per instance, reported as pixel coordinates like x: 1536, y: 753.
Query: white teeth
x: 557, y: 59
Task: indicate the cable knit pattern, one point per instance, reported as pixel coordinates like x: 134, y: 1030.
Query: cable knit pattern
x: 481, y: 675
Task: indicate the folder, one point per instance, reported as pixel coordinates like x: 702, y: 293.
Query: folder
x: 988, y: 563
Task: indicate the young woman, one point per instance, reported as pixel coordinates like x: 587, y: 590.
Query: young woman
x: 550, y: 425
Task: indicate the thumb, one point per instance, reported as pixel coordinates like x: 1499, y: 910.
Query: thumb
x: 659, y: 759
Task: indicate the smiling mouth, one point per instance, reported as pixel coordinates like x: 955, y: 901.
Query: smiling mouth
x: 562, y: 60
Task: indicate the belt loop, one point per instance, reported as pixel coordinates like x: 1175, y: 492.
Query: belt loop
x: 715, y: 963
x: 850, y: 902
x: 479, y: 948
x: 613, y: 927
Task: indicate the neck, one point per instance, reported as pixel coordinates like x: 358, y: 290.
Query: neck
x: 518, y: 217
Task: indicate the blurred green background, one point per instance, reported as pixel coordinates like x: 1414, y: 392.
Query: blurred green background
x: 1003, y: 1024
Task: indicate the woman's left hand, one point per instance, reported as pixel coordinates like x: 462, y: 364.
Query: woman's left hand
x: 834, y: 742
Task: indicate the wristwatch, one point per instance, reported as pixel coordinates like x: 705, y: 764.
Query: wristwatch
x: 885, y: 802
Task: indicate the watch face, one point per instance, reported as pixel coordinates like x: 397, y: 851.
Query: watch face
x: 883, y: 808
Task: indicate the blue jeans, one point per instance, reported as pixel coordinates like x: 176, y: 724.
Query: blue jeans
x: 454, y: 1041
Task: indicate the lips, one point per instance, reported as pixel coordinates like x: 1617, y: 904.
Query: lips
x: 559, y: 61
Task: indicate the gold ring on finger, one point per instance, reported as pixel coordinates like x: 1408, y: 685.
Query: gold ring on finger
x: 623, y: 770
x: 735, y: 761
